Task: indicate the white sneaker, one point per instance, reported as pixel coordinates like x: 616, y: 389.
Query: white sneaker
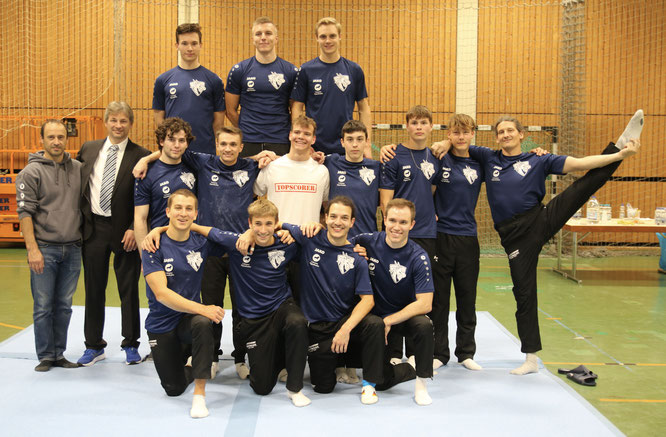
x: 369, y: 395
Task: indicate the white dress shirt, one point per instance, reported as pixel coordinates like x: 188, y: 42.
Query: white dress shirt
x: 98, y: 171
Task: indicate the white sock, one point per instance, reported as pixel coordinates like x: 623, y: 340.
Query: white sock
x: 369, y: 395
x: 242, y: 370
x: 189, y: 361
x: 353, y: 376
x: 282, y: 376
x: 214, y: 368
x: 412, y: 361
x: 199, y: 409
x: 470, y: 364
x: 632, y: 131
x: 341, y: 375
x: 531, y: 365
x: 298, y: 398
x: 395, y: 361
x: 421, y: 396
x: 436, y: 364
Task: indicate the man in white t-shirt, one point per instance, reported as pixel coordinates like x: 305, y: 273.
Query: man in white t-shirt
x: 295, y: 183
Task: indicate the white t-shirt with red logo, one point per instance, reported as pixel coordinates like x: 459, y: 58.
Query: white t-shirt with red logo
x: 297, y: 188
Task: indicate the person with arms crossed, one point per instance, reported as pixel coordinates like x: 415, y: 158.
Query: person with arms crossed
x: 328, y: 87
x: 178, y: 324
x: 108, y: 221
x: 191, y: 91
x: 515, y: 184
x: 261, y: 85
x: 48, y: 197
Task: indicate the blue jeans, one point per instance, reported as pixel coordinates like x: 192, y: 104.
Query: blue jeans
x: 52, y: 293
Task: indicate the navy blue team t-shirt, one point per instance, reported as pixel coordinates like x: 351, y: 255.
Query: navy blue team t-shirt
x: 182, y: 263
x: 330, y: 91
x: 224, y: 192
x: 260, y: 278
x: 264, y: 91
x: 331, y: 277
x: 193, y: 95
x: 397, y: 275
x: 458, y: 182
x: 515, y: 184
x: 360, y: 182
x: 411, y: 175
x: 155, y: 189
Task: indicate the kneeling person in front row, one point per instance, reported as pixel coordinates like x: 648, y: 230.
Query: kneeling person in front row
x: 176, y: 318
x: 403, y: 290
x: 336, y: 298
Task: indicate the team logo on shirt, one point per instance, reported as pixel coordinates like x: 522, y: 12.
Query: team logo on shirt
x: 213, y: 180
x: 197, y: 86
x: 240, y: 177
x: 367, y: 175
x: 341, y: 81
x: 246, y: 261
x: 276, y: 79
x: 397, y: 271
x: 406, y: 173
x: 341, y: 180
x: 427, y: 168
x: 470, y: 174
x: 446, y: 173
x: 316, y: 257
x: 194, y: 260
x: 345, y: 263
x: 276, y: 257
x: 496, y: 173
x: 188, y: 179
x: 522, y: 167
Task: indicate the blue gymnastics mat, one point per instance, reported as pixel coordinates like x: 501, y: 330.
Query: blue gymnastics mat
x: 111, y: 398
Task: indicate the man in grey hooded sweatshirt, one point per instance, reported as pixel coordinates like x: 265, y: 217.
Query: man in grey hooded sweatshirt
x: 48, y: 194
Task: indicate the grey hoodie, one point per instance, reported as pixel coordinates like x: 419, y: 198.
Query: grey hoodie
x: 50, y: 193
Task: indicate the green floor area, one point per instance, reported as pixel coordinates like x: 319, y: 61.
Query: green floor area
x: 614, y: 323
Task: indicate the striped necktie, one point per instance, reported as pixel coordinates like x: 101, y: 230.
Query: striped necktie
x: 108, y: 179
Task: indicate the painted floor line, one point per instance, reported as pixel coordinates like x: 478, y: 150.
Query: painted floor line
x: 7, y: 325
x: 554, y: 363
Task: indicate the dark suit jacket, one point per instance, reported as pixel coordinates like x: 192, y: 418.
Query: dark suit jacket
x: 122, y: 201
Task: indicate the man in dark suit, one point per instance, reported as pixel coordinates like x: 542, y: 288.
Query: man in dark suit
x: 108, y: 216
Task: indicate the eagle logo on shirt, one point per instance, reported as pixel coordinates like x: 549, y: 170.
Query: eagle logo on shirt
x: 197, y: 86
x: 276, y: 257
x: 276, y: 79
x: 194, y: 260
x: 342, y: 81
x: 367, y: 175
x: 522, y: 167
x: 427, y: 168
x: 188, y: 179
x: 240, y: 177
x: 397, y: 271
x: 345, y: 263
x: 470, y: 174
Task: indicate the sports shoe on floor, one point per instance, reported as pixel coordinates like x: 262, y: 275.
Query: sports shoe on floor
x: 91, y: 356
x: 132, y: 355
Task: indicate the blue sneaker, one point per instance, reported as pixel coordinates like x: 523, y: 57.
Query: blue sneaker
x: 91, y: 356
x: 133, y: 356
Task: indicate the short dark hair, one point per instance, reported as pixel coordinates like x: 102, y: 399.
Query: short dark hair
x: 342, y: 200
x: 183, y: 192
x: 52, y: 121
x: 171, y: 126
x: 508, y: 118
x: 233, y: 130
x: 354, y: 126
x: 401, y: 203
x: 418, y: 111
x: 188, y: 28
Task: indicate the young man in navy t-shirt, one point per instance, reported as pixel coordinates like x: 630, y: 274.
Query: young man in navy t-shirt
x: 165, y: 176
x: 458, y: 180
x: 336, y: 298
x: 191, y: 91
x: 177, y: 321
x: 261, y: 85
x: 515, y: 185
x: 403, y: 290
x: 327, y: 87
x: 355, y: 176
